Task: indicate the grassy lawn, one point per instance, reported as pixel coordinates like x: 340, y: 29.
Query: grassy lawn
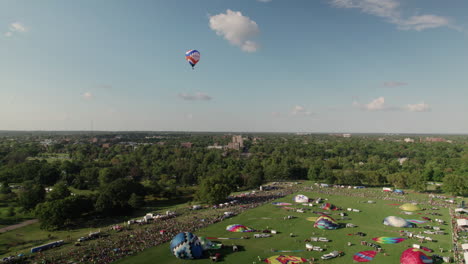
x: 369, y: 221
x: 22, y: 239
x: 11, y: 220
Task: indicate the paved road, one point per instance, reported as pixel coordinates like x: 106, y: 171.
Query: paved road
x: 12, y: 227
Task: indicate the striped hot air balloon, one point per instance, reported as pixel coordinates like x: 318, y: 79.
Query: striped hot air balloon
x: 192, y: 56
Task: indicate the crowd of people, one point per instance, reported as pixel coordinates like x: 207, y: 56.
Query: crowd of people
x: 460, y: 236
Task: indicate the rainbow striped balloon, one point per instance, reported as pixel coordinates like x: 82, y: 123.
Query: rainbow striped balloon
x: 388, y: 240
x: 239, y: 228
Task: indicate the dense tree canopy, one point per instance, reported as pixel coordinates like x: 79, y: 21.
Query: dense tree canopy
x: 124, y: 168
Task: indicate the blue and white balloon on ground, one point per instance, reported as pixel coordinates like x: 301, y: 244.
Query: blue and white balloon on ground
x: 186, y: 246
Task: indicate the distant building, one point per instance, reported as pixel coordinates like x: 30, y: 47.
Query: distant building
x: 238, y: 139
x: 346, y: 135
x: 433, y: 139
x: 215, y: 146
x: 237, y: 143
x: 409, y: 140
x: 106, y: 145
x: 94, y: 140
x: 186, y: 144
x: 161, y: 143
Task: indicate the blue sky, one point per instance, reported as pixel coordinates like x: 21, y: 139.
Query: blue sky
x: 279, y: 65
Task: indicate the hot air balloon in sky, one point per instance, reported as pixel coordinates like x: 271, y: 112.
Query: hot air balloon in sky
x: 192, y: 56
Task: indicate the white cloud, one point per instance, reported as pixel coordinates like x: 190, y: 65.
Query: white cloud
x: 194, y: 97
x: 376, y: 104
x: 424, y: 22
x: 236, y: 28
x: 300, y: 110
x: 88, y: 96
x: 379, y: 104
x: 394, y: 84
x: 17, y: 27
x: 391, y: 12
x: 421, y: 107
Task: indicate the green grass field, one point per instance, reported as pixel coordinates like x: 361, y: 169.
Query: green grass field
x: 369, y: 221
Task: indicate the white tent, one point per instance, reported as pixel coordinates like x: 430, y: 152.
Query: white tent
x: 300, y: 198
x: 461, y: 210
x: 466, y: 257
x: 462, y: 222
x: 465, y: 246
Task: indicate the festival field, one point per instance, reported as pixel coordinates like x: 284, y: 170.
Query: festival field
x: 269, y: 216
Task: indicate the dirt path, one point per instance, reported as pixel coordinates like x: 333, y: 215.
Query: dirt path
x: 12, y: 227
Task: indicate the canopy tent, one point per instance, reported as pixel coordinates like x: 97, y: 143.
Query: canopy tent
x: 186, y: 246
x: 410, y: 207
x: 364, y: 256
x: 462, y: 222
x: 388, y: 240
x: 326, y: 222
x: 328, y: 206
x: 396, y: 222
x: 300, y: 198
x: 239, y: 228
x: 399, y: 191
x: 284, y: 259
x: 414, y: 256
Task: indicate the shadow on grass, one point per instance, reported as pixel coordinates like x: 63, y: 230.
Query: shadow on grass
x: 150, y: 206
x: 224, y: 251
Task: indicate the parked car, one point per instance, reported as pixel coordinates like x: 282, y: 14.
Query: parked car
x: 333, y: 254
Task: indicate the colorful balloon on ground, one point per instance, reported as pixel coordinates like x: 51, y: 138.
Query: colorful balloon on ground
x: 396, y: 222
x: 326, y: 222
x: 239, y: 228
x: 284, y: 259
x: 410, y: 207
x: 300, y: 198
x: 207, y: 244
x: 192, y: 56
x: 186, y: 246
x: 415, y: 221
x: 414, y: 256
x: 281, y: 203
x: 364, y: 256
x: 328, y: 206
x: 388, y: 240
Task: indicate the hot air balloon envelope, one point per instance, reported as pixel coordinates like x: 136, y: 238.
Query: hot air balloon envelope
x: 192, y: 56
x: 364, y: 256
x: 414, y: 256
x: 283, y: 259
x: 186, y: 246
x: 396, y: 222
x: 239, y: 228
x: 326, y: 222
